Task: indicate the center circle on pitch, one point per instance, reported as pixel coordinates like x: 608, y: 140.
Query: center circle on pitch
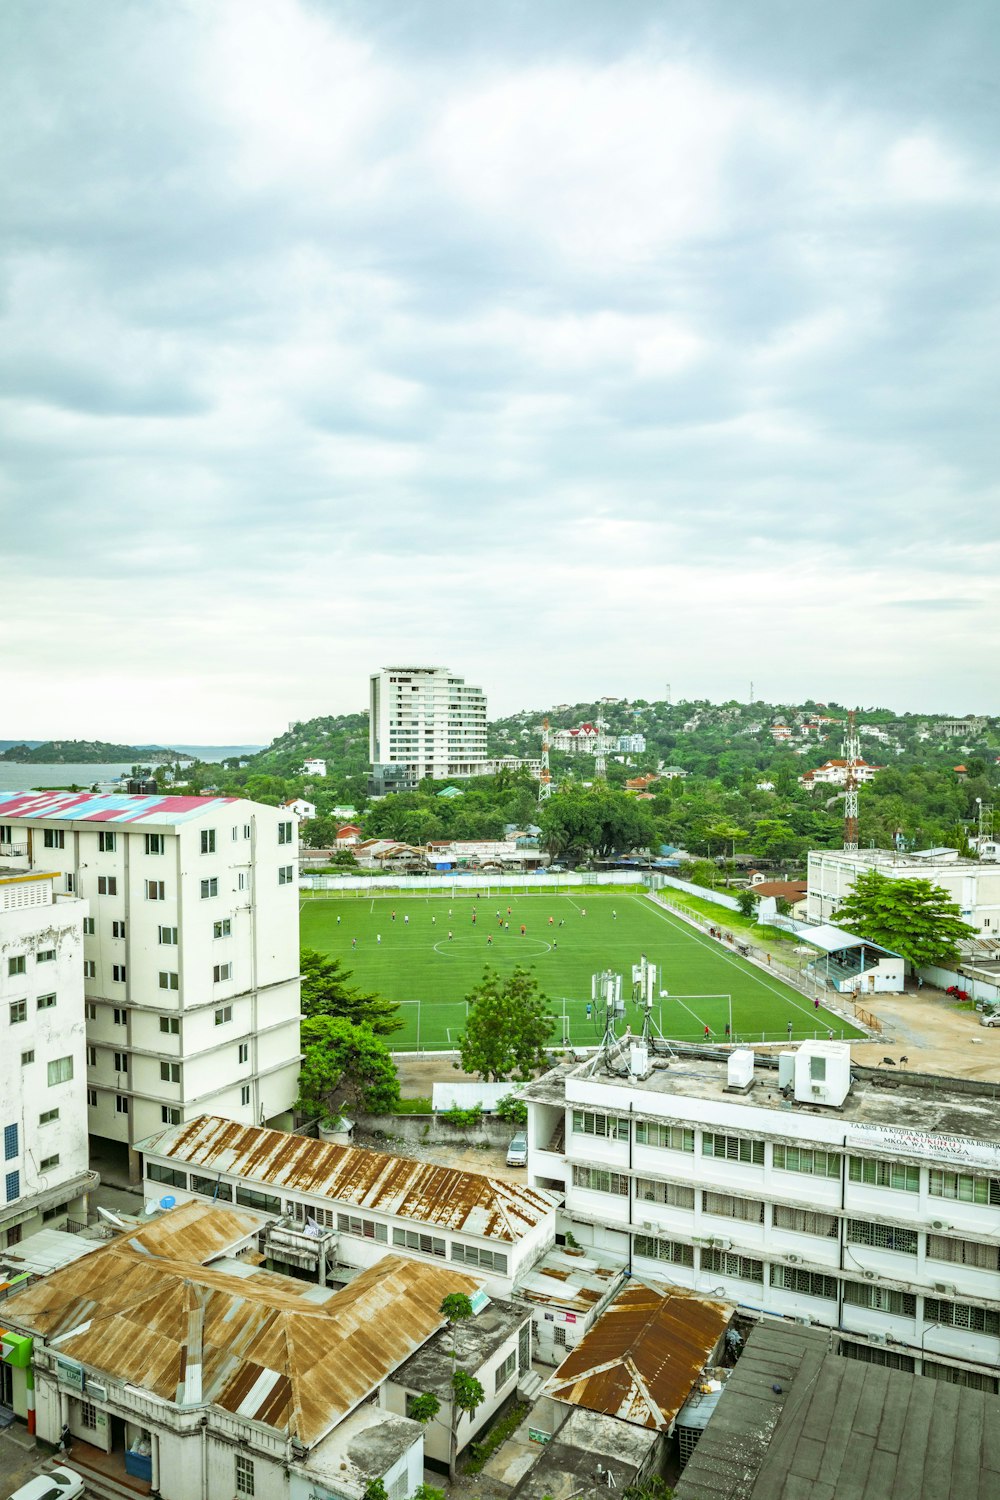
x: 505, y: 943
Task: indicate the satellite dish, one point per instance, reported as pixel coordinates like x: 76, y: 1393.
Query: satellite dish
x: 168, y: 1201
x: 151, y: 1206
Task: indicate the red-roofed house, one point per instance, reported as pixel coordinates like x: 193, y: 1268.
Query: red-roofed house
x: 834, y: 773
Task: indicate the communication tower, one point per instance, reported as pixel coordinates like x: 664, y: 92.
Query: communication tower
x: 600, y: 758
x: 545, y: 776
x: 852, y: 755
x: 644, y: 991
x: 606, y: 990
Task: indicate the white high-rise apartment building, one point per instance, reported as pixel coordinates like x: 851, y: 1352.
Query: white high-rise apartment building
x: 804, y: 1187
x: 424, y: 721
x: 190, y: 951
x: 43, y: 1109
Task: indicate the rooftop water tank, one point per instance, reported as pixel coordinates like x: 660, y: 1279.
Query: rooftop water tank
x: 739, y: 1069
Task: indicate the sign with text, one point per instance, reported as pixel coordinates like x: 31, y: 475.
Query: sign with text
x: 959, y: 1150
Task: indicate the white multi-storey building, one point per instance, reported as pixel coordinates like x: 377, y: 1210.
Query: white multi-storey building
x: 190, y: 951
x: 797, y: 1186
x: 973, y: 885
x: 43, y: 1109
x: 425, y: 721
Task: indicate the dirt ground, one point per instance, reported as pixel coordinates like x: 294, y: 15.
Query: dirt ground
x: 933, y: 1035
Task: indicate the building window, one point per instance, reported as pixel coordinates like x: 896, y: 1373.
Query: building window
x: 598, y: 1180
x: 89, y: 968
x: 107, y: 841
x: 366, y: 1229
x: 156, y: 843
x: 45, y: 956
x: 952, y: 1375
x: 887, y: 1174
x: 808, y: 1283
x: 90, y: 1010
x: 250, y: 1198
x: 303, y: 1212
x: 92, y: 1098
x: 121, y: 1062
x: 88, y: 927
x: 47, y: 1163
x: 107, y: 885
x: 585, y: 1122
x: 27, y: 1057
x: 476, y: 1255
x: 46, y: 1002
x: 120, y: 1017
x: 671, y: 1251
x: 168, y: 935
x: 725, y: 1263
x: 11, y: 1136
x: 170, y: 1025
x: 245, y: 1094
x: 60, y: 1070
x: 208, y: 841
x: 70, y: 884
x: 750, y: 1210
x: 962, y: 1315
x: 805, y: 1221
x: 18, y: 1011
x: 208, y: 1187
x: 882, y: 1236
x: 54, y: 838
x: 284, y: 833
x: 806, y: 1159
x: 733, y: 1148
x: 169, y: 980
x: 88, y: 1415
x: 156, y: 890
x: 13, y: 1183
x: 672, y: 1194
x: 412, y: 1239
x: 170, y: 1072
x: 244, y: 1475
x: 210, y: 887
x: 243, y: 880
x: 221, y: 972
x: 963, y: 1187
x: 963, y: 1252
x: 91, y: 1057
x: 244, y: 1052
x: 666, y: 1137
x: 559, y: 1335
x: 286, y: 874
x: 121, y: 1104
x: 168, y: 1175
x: 117, y: 929
x: 118, y: 973
x: 223, y: 1014
x: 169, y: 1114
x: 505, y: 1371
x: 17, y: 965
x: 48, y: 1116
x: 222, y: 929
x: 880, y: 1298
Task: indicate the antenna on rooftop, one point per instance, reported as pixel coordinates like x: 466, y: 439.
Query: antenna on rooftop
x: 852, y: 755
x: 644, y: 991
x: 606, y: 990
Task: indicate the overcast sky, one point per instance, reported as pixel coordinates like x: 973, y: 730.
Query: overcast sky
x: 581, y: 345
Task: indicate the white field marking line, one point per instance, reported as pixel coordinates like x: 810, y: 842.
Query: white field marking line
x: 446, y: 947
x: 729, y: 959
x: 690, y: 1012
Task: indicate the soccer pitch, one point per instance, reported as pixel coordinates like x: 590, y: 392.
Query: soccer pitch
x: 427, y: 953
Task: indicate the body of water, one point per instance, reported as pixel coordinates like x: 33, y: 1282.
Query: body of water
x: 15, y: 777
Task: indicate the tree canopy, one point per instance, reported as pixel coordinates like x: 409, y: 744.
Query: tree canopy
x: 327, y: 991
x: 344, y: 1065
x: 915, y: 918
x: 508, y: 1027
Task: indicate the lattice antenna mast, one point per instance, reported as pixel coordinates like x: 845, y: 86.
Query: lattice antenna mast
x: 985, y: 823
x: 852, y: 755
x: 545, y: 776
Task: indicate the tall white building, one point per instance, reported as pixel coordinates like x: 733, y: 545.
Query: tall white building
x: 973, y: 885
x: 424, y: 722
x: 190, y: 951
x: 863, y: 1200
x: 43, y: 1110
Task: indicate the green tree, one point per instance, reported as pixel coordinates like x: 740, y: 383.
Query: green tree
x: 915, y: 918
x: 327, y: 991
x: 507, y: 1027
x: 774, y: 839
x: 375, y: 1490
x: 467, y: 1395
x: 423, y: 1409
x: 344, y: 1065
x: 747, y: 903
x: 456, y: 1309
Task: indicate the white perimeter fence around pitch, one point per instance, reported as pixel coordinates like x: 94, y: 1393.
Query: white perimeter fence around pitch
x: 366, y: 884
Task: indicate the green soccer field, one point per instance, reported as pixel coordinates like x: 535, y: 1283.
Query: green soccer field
x: 427, y: 953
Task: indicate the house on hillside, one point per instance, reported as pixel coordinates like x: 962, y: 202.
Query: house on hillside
x: 314, y: 768
x: 348, y: 835
x: 834, y: 773
x: 302, y: 809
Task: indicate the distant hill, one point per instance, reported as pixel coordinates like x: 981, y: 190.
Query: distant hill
x: 83, y: 752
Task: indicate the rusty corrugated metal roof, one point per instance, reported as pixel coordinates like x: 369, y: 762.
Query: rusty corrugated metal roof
x: 260, y: 1346
x: 641, y: 1358
x: 444, y: 1197
x: 192, y: 1231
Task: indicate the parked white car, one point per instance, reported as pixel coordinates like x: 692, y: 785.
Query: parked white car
x: 55, y: 1484
x: 517, y: 1151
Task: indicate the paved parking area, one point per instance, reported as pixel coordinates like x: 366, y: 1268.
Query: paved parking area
x: 20, y: 1459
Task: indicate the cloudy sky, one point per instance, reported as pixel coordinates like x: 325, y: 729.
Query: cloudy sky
x: 582, y: 345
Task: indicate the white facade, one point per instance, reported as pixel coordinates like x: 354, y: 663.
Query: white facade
x: 314, y: 768
x: 428, y: 721
x: 972, y: 885
x: 846, y: 1215
x: 43, y: 1105
x: 190, y: 951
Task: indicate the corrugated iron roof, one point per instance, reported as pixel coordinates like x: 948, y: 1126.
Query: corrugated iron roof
x: 641, y: 1358
x: 444, y: 1197
x: 108, y: 807
x: 255, y: 1345
x: 192, y: 1231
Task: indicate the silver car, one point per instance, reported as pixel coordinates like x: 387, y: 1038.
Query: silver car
x: 517, y: 1151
